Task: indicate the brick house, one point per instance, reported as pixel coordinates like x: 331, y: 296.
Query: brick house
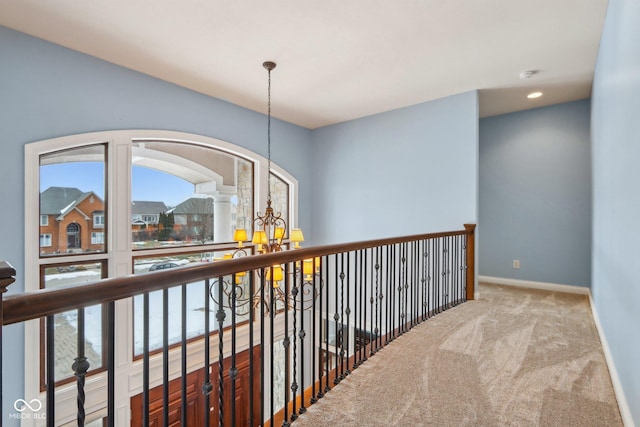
x: 71, y: 221
x: 145, y: 216
x: 194, y: 219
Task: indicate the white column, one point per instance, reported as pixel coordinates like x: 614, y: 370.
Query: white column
x: 222, y: 227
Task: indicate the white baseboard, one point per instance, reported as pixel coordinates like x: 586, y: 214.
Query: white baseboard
x: 625, y: 411
x: 535, y: 285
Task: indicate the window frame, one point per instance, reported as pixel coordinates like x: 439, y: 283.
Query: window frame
x: 118, y: 254
x: 98, y: 220
x: 50, y: 240
x: 94, y: 235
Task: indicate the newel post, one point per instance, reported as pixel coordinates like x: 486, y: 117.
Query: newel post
x: 471, y: 260
x: 7, y: 277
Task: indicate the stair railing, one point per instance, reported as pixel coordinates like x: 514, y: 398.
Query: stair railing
x: 273, y: 342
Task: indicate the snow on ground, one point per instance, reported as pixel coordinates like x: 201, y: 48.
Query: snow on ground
x: 94, y: 275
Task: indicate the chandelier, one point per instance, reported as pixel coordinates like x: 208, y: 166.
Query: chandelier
x: 269, y: 231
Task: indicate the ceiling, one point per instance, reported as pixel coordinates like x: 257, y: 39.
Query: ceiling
x: 337, y: 59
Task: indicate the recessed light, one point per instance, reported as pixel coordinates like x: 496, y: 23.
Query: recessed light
x: 534, y: 95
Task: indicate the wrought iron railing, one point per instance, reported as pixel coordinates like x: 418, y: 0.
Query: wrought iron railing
x: 269, y: 348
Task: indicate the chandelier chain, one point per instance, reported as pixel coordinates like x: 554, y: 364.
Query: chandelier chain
x: 269, y: 136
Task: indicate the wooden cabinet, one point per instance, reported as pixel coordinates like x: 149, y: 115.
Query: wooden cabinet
x: 196, y: 399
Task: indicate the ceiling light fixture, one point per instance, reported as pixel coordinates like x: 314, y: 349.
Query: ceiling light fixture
x: 534, y: 95
x: 268, y: 232
x: 269, y: 229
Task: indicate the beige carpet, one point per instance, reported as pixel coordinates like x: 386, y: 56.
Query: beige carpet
x: 514, y: 357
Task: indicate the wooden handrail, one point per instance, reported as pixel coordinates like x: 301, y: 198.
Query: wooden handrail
x: 44, y: 302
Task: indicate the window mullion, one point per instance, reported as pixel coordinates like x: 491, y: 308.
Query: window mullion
x: 118, y: 218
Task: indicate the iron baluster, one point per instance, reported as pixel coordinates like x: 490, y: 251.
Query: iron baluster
x: 377, y: 293
x: 342, y: 313
x: 417, y: 282
x: 220, y: 317
x: 326, y: 358
x: 357, y: 311
x: 395, y: 309
x: 347, y: 312
x: 408, y: 287
x: 363, y: 279
x: 336, y: 317
x: 207, y: 387
x: 461, y: 268
x: 272, y: 313
x: 294, y: 384
x: 405, y: 287
x: 80, y: 368
x: 424, y: 259
x: 285, y: 344
x: 436, y: 275
x: 251, y: 354
x: 233, y: 371
x: 388, y: 302
x: 165, y: 356
x: 51, y: 378
x: 446, y: 273
x: 262, y: 324
x: 395, y: 296
x: 401, y: 292
x: 456, y: 274
x: 183, y: 353
x: 379, y: 296
x: 111, y: 363
x: 372, y: 299
x: 429, y: 283
x: 145, y: 360
x: 415, y: 279
x: 318, y: 340
x: 359, y: 280
x: 302, y: 334
x: 314, y: 370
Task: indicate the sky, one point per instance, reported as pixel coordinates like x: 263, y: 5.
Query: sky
x: 148, y: 184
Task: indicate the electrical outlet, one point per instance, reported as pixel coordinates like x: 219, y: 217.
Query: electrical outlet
x: 516, y: 263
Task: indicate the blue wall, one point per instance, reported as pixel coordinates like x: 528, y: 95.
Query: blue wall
x: 406, y: 171
x: 615, y: 125
x: 48, y: 91
x: 535, y: 195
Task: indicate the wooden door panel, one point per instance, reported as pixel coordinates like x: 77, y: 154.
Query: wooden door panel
x: 196, y: 400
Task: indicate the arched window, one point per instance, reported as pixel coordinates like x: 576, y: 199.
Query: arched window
x: 113, y: 203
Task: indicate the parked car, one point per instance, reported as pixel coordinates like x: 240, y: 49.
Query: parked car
x: 162, y: 266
